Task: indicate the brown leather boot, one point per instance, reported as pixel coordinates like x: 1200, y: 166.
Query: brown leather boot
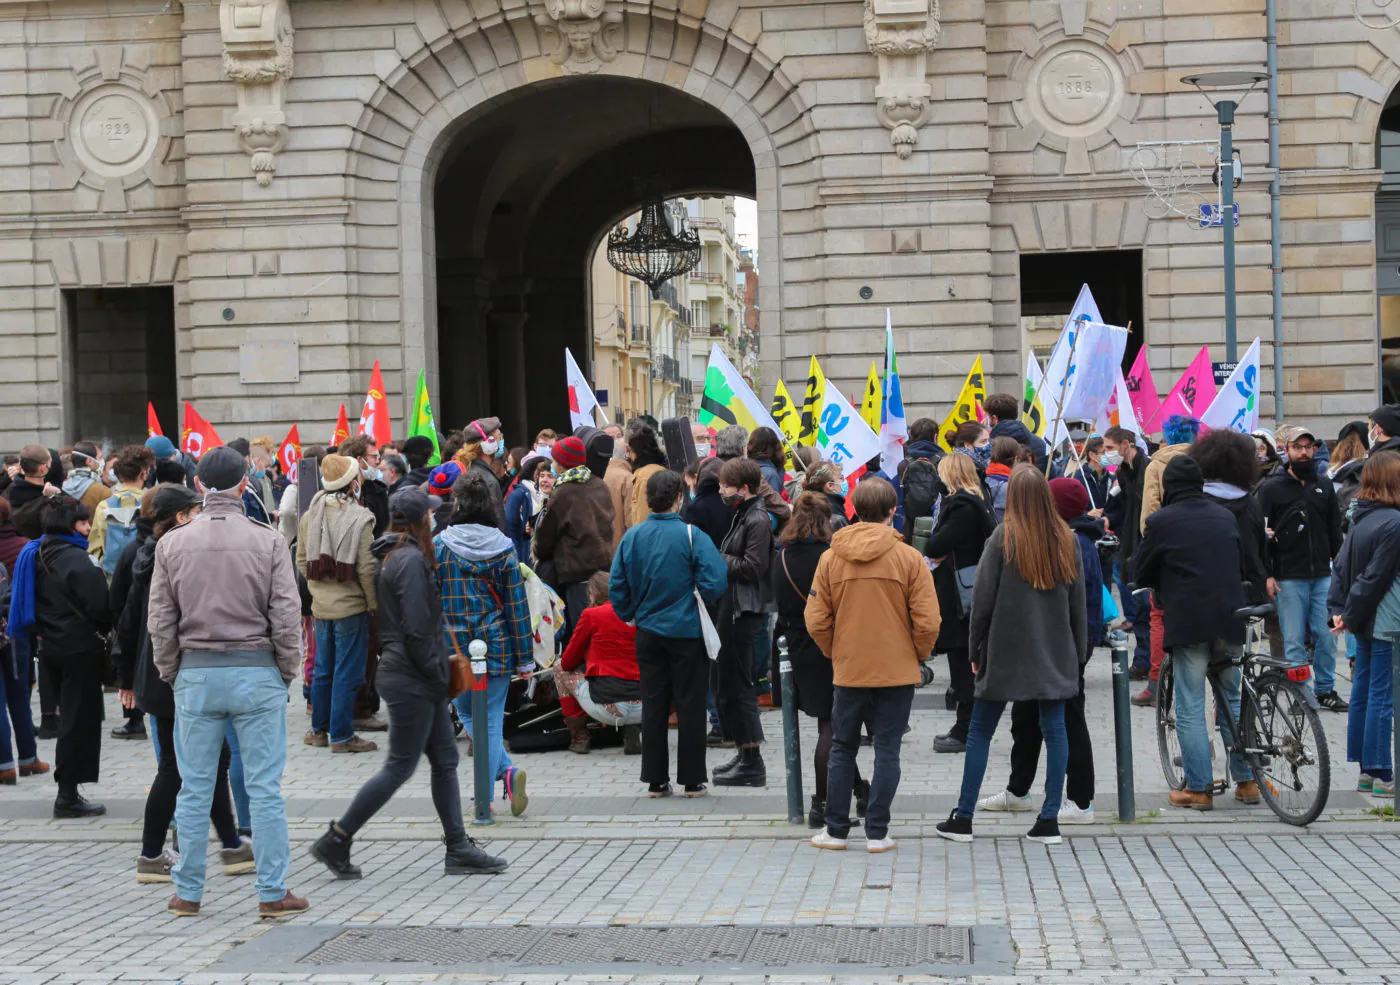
x: 1247, y: 793
x: 578, y: 735
x: 287, y: 906
x: 34, y: 768
x: 1194, y: 800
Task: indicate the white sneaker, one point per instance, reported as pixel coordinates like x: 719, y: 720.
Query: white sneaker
x: 1072, y: 813
x: 1005, y: 801
x: 824, y: 840
x: 885, y: 844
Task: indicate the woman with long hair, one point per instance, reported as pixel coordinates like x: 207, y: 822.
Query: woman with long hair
x: 1027, y: 634
x: 803, y: 541
x: 965, y: 521
x: 414, y: 673
x: 765, y: 449
x: 483, y: 453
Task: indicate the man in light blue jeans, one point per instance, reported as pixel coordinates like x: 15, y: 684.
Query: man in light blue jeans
x: 1302, y: 615
x: 225, y: 626
x: 1190, y: 665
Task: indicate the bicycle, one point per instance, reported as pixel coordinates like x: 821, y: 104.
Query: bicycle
x: 1280, y: 732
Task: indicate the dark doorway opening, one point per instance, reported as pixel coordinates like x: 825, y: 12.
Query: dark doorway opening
x: 121, y: 344
x: 1050, y: 284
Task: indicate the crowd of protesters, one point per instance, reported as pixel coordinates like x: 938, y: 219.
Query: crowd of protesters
x: 644, y: 593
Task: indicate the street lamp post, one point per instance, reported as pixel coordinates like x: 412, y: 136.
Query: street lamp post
x: 1225, y: 113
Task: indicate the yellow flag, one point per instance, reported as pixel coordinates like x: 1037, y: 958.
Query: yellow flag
x: 968, y: 407
x: 785, y: 413
x: 812, y: 405
x: 1032, y: 410
x: 874, y: 394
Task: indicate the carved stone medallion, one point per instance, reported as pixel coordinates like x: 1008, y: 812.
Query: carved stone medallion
x: 1074, y: 88
x: 113, y: 130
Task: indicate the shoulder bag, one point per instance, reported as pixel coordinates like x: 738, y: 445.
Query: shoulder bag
x: 708, y: 632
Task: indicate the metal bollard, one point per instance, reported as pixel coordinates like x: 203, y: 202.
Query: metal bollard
x: 792, y: 743
x: 1123, y: 723
x: 481, y: 737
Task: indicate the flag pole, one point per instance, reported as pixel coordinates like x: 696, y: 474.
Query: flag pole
x: 1060, y: 404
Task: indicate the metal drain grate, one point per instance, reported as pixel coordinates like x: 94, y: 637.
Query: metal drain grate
x: 664, y: 947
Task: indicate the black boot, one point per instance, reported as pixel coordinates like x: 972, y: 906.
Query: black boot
x: 132, y: 729
x: 816, y: 816
x: 48, y: 727
x: 70, y: 803
x: 466, y: 858
x: 632, y: 740
x: 332, y: 850
x: 730, y: 766
x: 749, y: 773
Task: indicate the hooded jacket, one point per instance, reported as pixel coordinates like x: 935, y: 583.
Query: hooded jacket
x: 707, y: 510
x: 87, y: 487
x: 1190, y: 554
x: 413, y: 657
x: 483, y: 596
x: 1152, y: 480
x: 598, y: 446
x: 618, y: 479
x: 66, y: 580
x: 964, y: 523
x: 642, y: 470
x: 1023, y: 436
x: 1305, y: 523
x: 1366, y: 566
x: 575, y: 531
x: 656, y: 571
x: 1253, y: 543
x: 748, y: 555
x: 873, y: 609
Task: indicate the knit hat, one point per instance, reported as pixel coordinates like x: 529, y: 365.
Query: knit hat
x: 440, y: 479
x: 161, y: 446
x: 1071, y: 498
x: 1387, y: 418
x: 221, y: 469
x: 409, y: 505
x: 417, y: 447
x: 1357, y: 428
x: 171, y: 499
x: 570, y: 453
x: 337, y: 472
x: 482, y: 427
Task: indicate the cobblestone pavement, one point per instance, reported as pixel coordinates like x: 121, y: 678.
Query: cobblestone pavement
x: 1231, y: 896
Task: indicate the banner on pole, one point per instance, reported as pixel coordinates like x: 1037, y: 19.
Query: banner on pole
x: 843, y: 436
x: 374, y: 419
x: 1142, y: 389
x: 968, y: 406
x: 1236, y: 406
x: 152, y: 421
x: 198, y: 435
x: 342, y: 429
x: 872, y: 399
x: 1191, y: 395
x: 728, y: 400
x: 420, y: 421
x: 582, y: 402
x: 290, y: 453
x: 894, y: 427
x: 785, y: 414
x: 1032, y: 409
x: 811, y: 404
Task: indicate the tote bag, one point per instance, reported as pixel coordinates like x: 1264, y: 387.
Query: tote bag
x: 708, y: 632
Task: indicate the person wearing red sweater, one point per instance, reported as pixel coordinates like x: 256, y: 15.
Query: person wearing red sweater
x: 604, y: 649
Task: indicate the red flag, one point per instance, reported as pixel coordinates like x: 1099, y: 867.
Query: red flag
x: 342, y: 429
x: 198, y: 435
x: 374, y: 419
x: 290, y: 453
x: 152, y: 422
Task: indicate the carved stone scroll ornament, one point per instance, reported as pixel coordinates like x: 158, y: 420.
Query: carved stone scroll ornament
x: 901, y: 33
x: 257, y: 36
x: 583, y: 32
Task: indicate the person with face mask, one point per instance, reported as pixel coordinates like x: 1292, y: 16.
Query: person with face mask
x: 826, y: 478
x: 483, y: 453
x: 374, y: 493
x: 974, y: 440
x: 84, y: 481
x: 1300, y: 511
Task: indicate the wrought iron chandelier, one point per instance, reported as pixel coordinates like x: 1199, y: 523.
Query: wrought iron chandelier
x: 654, y: 253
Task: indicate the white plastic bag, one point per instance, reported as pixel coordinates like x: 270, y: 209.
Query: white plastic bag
x: 708, y: 632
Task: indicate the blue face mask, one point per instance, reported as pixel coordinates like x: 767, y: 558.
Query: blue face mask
x: 259, y: 474
x: 981, y: 455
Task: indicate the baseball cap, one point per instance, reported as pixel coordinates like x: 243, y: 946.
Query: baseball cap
x: 161, y: 446
x: 1291, y: 433
x: 409, y: 505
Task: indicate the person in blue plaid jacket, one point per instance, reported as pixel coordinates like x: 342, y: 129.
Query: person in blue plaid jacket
x: 483, y: 597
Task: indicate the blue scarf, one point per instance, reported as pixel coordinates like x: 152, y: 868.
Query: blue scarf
x: 23, y: 582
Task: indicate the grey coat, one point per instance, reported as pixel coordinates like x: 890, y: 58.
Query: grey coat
x: 1027, y: 644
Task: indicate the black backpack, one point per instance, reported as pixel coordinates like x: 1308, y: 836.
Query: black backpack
x: 922, y: 487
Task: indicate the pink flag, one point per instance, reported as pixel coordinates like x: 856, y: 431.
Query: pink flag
x: 1191, y: 395
x: 1141, y: 388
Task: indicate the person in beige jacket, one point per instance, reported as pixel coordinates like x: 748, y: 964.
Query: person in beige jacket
x: 647, y: 458
x: 333, y: 555
x: 874, y: 612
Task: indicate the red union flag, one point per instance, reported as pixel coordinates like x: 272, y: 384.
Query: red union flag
x: 198, y: 435
x: 152, y: 422
x: 581, y: 400
x: 342, y: 429
x: 374, y: 419
x: 290, y: 453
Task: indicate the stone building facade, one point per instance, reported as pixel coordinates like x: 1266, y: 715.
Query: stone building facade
x: 245, y: 203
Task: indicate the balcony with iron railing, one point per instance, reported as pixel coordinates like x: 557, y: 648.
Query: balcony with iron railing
x: 664, y: 367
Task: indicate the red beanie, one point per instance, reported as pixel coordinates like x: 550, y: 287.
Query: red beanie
x: 569, y: 452
x: 1071, y: 498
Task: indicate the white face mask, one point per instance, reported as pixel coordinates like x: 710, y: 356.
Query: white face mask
x: 489, y: 447
x: 1372, y: 438
x: 1112, y: 458
x: 541, y: 448
x: 703, y: 449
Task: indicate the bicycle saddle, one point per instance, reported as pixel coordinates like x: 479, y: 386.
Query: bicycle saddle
x: 1256, y: 611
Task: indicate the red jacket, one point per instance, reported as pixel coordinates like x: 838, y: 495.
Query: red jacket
x: 608, y: 644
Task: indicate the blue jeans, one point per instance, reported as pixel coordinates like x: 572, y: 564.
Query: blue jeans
x: 14, y: 711
x: 496, y: 690
x: 886, y: 711
x: 235, y: 780
x: 1302, y: 611
x: 254, y: 699
x: 985, y: 715
x: 1372, y: 708
x: 342, y: 648
x: 1189, y: 667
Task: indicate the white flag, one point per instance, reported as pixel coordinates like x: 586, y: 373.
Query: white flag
x: 1059, y: 372
x: 894, y: 428
x: 842, y: 436
x: 582, y: 403
x: 1097, y: 364
x: 1120, y: 413
x: 1236, y: 406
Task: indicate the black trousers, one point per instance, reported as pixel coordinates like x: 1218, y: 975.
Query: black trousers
x: 78, y: 678
x: 1026, y: 741
x: 165, y: 789
x: 672, y: 670
x: 48, y: 683
x: 731, y: 679
x: 960, y: 688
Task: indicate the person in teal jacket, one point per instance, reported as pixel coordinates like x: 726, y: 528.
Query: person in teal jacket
x: 656, y: 571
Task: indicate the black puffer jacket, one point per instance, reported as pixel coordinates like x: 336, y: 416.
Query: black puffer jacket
x: 1365, y: 566
x: 965, y: 522
x: 707, y: 510
x: 117, y: 593
x: 748, y: 556
x: 1124, y: 510
x: 153, y: 695
x: 1306, y: 524
x: 413, y: 658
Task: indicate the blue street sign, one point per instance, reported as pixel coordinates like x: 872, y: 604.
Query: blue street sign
x: 1211, y: 215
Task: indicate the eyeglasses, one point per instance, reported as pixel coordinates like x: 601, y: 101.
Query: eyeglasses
x: 1303, y: 446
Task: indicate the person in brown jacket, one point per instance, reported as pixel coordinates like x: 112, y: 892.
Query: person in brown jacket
x: 647, y: 458
x: 874, y: 612
x: 618, y: 479
x: 573, y: 536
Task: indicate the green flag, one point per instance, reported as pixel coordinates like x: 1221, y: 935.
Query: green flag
x: 420, y: 422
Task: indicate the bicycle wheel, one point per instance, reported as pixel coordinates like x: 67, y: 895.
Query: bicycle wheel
x: 1168, y: 745
x: 1288, y: 750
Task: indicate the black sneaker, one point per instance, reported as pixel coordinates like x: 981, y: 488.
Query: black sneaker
x: 1046, y: 831
x: 332, y: 850
x: 955, y: 828
x: 659, y: 790
x: 717, y: 740
x: 466, y: 859
x: 133, y: 729
x: 48, y: 727
x: 1332, y: 701
x: 695, y: 790
x: 949, y: 743
x: 862, y: 793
